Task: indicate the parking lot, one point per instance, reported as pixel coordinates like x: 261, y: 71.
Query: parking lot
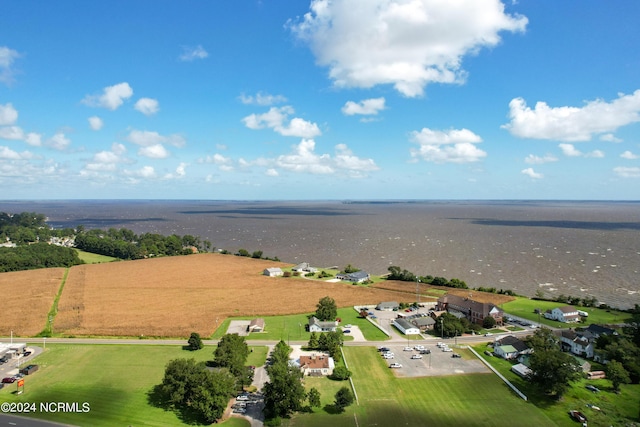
x: 436, y: 363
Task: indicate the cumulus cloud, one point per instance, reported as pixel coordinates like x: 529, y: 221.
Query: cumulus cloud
x: 365, y: 107
x: 59, y: 142
x: 95, y: 123
x: 531, y: 173
x: 453, y: 146
x: 190, y: 53
x: 627, y: 172
x: 106, y: 161
x: 147, y: 138
x: 147, y: 106
x: 537, y: 160
x: 573, y: 124
x: 33, y: 139
x: 570, y: 150
x: 609, y: 137
x: 263, y: 99
x: 629, y: 155
x: 223, y: 163
x: 408, y: 43
x: 180, y: 172
x: 8, y: 114
x: 272, y: 172
x: 277, y: 119
x: 143, y: 172
x: 155, y: 151
x: 7, y: 57
x: 304, y: 159
x: 112, y: 96
x: 14, y: 133
x: 7, y: 153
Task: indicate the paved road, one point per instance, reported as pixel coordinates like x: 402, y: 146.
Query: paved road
x: 11, y: 420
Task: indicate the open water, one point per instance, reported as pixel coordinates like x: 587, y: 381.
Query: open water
x: 571, y: 248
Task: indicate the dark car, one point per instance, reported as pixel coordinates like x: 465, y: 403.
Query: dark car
x: 27, y: 353
x: 456, y: 355
x: 425, y: 351
x: 593, y: 388
x: 8, y: 380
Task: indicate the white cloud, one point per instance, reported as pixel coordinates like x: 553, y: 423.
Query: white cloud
x: 59, y: 141
x: 263, y: 99
x: 192, y: 53
x: 33, y: 139
x: 407, y: 43
x: 8, y: 114
x: 7, y: 56
x: 95, y: 123
x: 531, y: 173
x: 629, y: 155
x: 453, y: 146
x: 536, y: 160
x: 365, y: 107
x: 272, y: 172
x: 570, y: 150
x: 180, y: 172
x: 152, y: 143
x: 609, y: 137
x: 14, y: 133
x: 155, y: 151
x: 276, y: 119
x: 143, y: 172
x: 223, y: 163
x: 304, y: 159
x: 106, y: 161
x: 572, y: 123
x: 627, y: 172
x: 112, y: 96
x: 147, y: 106
x: 7, y: 153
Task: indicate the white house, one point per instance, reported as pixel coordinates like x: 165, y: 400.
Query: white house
x: 357, y: 277
x: 304, y: 267
x: 273, y: 272
x: 406, y: 327
x: 316, y: 325
x: 510, y: 347
x: 317, y: 365
x: 565, y: 314
x: 577, y: 343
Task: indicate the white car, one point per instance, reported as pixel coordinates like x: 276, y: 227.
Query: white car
x: 441, y: 344
x: 416, y: 356
x: 446, y: 349
x: 418, y: 348
x: 387, y: 356
x: 395, y: 365
x: 408, y: 349
x: 242, y: 397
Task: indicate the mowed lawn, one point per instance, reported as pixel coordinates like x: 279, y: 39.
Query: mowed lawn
x: 114, y: 379
x: 293, y: 327
x: 457, y: 400
x: 524, y: 307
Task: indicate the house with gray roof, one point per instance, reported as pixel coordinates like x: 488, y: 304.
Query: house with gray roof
x: 356, y: 277
x: 316, y: 325
x: 388, y: 306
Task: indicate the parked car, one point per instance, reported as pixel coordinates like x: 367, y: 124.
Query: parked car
x: 416, y: 356
x: 242, y: 397
x: 395, y: 365
x: 408, y: 349
x: 348, y: 326
x: 446, y: 349
x: 425, y: 351
x: 387, y: 356
x: 347, y: 331
x: 384, y: 349
x: 593, y: 388
x: 8, y: 380
x: 418, y: 347
x: 456, y: 356
x: 27, y: 353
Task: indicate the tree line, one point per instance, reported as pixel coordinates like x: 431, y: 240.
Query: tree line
x: 37, y: 255
x: 396, y: 273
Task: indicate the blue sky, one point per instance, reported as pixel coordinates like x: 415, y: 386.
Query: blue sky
x: 340, y: 99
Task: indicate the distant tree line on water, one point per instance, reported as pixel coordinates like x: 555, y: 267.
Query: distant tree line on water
x: 37, y: 255
x: 396, y: 273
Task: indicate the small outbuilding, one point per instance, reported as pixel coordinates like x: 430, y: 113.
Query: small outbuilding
x: 273, y: 272
x: 388, y: 306
x: 256, y: 325
x: 405, y: 327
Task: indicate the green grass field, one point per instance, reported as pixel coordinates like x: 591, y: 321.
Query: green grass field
x: 91, y: 258
x: 292, y: 327
x: 459, y: 400
x: 617, y: 409
x: 113, y: 379
x: 524, y: 307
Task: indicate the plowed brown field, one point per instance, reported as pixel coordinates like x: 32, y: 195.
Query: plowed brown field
x: 27, y: 297
x: 175, y: 296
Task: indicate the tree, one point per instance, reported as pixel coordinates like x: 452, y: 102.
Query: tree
x: 284, y: 393
x: 551, y: 370
x: 232, y: 353
x: 340, y: 373
x: 350, y: 269
x: 314, y: 397
x: 313, y: 341
x: 195, y: 342
x: 344, y: 398
x: 243, y: 252
x: 326, y: 309
x: 188, y: 385
x: 617, y: 374
x: 488, y: 322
